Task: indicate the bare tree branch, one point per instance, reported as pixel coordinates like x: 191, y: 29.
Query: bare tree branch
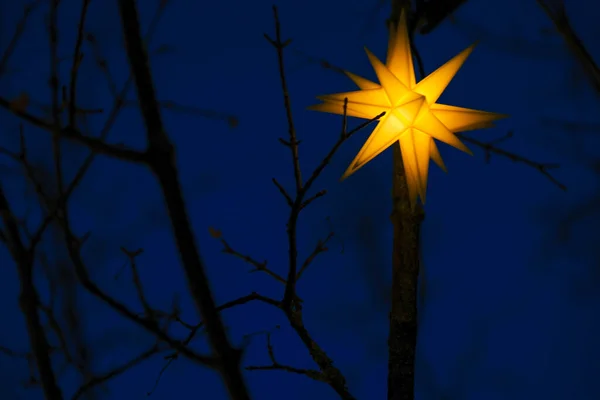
x: 291, y: 304
x: 490, y: 148
x: 161, y: 160
x: 28, y: 301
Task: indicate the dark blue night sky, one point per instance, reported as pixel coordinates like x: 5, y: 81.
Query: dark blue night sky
x: 512, y: 308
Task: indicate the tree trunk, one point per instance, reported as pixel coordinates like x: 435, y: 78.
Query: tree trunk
x: 402, y: 341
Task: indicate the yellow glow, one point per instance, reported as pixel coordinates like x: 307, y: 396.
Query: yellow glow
x: 413, y: 119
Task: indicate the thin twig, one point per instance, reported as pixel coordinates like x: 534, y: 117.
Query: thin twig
x: 98, y: 380
x: 12, y: 353
x: 259, y: 266
x: 279, y: 46
x: 97, y: 145
x: 321, y: 247
x: 559, y: 17
x: 77, y: 58
x: 285, y: 194
x: 490, y: 148
x: 56, y: 105
x: 131, y: 255
x: 17, y: 35
x: 311, y: 373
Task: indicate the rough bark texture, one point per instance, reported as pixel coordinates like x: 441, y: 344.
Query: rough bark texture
x: 402, y: 339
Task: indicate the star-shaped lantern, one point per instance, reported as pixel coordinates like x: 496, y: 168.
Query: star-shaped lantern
x: 412, y: 116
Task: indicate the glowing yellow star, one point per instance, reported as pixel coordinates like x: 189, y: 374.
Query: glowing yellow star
x: 413, y: 118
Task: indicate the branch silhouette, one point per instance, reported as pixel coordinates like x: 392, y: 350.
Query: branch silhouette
x: 159, y: 157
